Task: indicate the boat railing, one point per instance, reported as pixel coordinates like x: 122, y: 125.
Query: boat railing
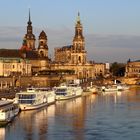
x: 31, y: 89
x: 37, y: 89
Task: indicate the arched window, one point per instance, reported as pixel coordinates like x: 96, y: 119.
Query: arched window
x: 79, y: 59
x: 41, y: 42
x: 41, y: 54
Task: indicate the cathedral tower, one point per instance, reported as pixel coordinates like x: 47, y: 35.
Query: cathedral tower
x: 30, y: 37
x: 78, y: 49
x: 42, y: 47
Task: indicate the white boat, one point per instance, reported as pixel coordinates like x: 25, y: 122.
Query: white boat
x: 111, y: 88
x: 90, y: 90
x: 93, y: 89
x: 76, y: 88
x: 86, y: 92
x: 64, y: 93
x: 8, y: 110
x: 35, y: 98
x: 68, y: 91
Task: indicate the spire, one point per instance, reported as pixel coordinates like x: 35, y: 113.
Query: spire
x: 30, y: 37
x: 29, y: 22
x: 29, y: 15
x: 78, y: 17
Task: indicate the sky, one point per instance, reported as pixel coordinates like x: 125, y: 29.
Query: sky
x: 111, y: 27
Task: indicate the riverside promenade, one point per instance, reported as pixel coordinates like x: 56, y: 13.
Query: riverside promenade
x: 9, y: 95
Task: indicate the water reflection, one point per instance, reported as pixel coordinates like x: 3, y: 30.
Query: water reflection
x: 64, y: 119
x: 30, y: 125
x: 2, y: 133
x: 70, y: 117
x: 104, y: 117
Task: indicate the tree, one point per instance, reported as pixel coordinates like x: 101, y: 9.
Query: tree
x: 117, y: 69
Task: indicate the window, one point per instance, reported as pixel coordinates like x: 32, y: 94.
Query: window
x: 79, y: 59
x: 41, y: 53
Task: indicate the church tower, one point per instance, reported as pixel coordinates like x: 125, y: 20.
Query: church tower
x: 43, y: 47
x: 78, y: 55
x: 30, y: 37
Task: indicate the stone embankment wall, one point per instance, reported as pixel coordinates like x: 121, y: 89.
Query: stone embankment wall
x: 123, y: 80
x: 38, y: 81
x: 41, y: 81
x: 131, y: 81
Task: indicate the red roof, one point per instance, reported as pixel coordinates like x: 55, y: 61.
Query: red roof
x: 25, y: 48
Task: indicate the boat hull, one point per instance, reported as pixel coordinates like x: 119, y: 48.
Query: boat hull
x: 8, y: 116
x: 110, y: 90
x: 59, y: 98
x: 32, y: 107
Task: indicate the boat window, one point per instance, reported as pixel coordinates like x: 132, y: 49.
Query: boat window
x: 72, y: 85
x: 29, y: 96
x: 60, y: 92
x: 26, y: 101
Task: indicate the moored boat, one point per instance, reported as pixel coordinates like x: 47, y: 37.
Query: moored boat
x: 64, y: 93
x: 111, y: 88
x: 8, y: 110
x: 86, y: 92
x: 68, y: 91
x: 93, y: 89
x: 90, y: 90
x: 76, y: 88
x: 35, y: 98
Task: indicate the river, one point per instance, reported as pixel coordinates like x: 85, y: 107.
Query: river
x: 108, y: 116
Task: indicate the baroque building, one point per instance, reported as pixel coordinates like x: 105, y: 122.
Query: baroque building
x: 132, y: 69
x: 30, y: 60
x: 76, y: 53
x: 14, y: 66
x: 37, y: 56
x: 74, y: 57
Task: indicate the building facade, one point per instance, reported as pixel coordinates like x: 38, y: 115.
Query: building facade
x: 14, y: 66
x: 132, y: 69
x: 28, y: 59
x: 74, y: 57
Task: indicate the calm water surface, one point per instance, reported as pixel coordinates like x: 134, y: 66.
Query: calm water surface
x: 112, y: 116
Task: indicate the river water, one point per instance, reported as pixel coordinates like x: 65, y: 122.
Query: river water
x: 108, y: 116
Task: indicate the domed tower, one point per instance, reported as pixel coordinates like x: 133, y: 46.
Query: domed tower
x: 30, y: 37
x: 43, y: 47
x: 78, y: 49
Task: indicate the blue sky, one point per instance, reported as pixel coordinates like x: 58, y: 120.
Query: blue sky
x: 111, y: 27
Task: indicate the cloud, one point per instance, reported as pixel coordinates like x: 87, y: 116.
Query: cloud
x: 101, y: 48
x: 125, y: 41
x: 111, y: 48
